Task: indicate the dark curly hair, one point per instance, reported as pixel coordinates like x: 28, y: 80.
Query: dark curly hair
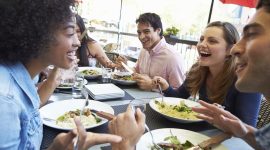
x: 153, y: 19
x: 28, y: 27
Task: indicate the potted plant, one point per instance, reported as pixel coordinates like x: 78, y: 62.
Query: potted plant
x: 173, y: 31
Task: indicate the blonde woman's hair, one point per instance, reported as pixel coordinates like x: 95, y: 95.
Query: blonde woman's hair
x: 197, y: 75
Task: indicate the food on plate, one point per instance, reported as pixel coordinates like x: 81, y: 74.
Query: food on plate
x: 181, y: 111
x: 123, y: 77
x: 87, y: 119
x: 90, y: 72
x: 172, y: 143
x: 65, y: 85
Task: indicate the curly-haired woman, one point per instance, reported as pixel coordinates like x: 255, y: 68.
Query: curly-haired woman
x: 35, y: 34
x: 212, y: 78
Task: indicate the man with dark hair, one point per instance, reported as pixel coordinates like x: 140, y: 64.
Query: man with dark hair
x: 252, y: 55
x: 157, y: 58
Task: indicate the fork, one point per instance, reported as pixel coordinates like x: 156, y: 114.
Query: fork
x: 148, y: 130
x: 161, y: 93
x: 85, y: 94
x: 152, y: 137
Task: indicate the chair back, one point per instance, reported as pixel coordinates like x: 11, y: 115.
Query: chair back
x: 264, y: 114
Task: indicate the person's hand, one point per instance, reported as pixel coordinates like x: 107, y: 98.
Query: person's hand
x: 54, y: 77
x: 129, y: 126
x: 86, y: 139
x: 112, y: 65
x: 144, y: 81
x: 222, y: 119
x: 119, y: 60
x: 162, y: 82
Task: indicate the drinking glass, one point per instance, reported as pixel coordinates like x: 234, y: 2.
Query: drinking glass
x: 92, y: 62
x: 77, y: 86
x: 106, y: 75
x: 67, y: 77
x: 138, y: 103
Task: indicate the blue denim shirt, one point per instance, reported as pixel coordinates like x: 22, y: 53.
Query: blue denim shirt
x: 20, y: 125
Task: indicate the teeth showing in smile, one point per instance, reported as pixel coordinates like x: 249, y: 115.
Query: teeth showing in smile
x: 204, y: 54
x: 71, y: 55
x: 144, y: 42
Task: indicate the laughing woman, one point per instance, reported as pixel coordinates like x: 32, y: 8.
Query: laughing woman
x: 212, y: 78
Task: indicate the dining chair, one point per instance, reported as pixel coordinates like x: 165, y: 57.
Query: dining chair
x: 264, y: 113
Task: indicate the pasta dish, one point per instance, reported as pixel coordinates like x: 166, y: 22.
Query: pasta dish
x: 124, y: 77
x: 180, y: 111
x: 87, y: 119
x: 90, y: 72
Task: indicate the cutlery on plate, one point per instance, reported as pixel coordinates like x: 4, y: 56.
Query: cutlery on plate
x: 213, y: 141
x: 127, y: 68
x: 160, y: 91
x: 152, y: 137
x: 103, y: 114
x: 85, y: 94
x: 148, y: 130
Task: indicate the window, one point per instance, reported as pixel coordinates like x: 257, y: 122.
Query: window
x: 114, y: 20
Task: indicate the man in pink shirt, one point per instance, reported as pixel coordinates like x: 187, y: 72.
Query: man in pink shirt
x: 157, y: 58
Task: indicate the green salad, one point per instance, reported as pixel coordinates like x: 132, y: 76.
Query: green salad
x: 173, y: 143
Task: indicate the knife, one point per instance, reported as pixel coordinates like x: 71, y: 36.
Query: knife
x: 103, y: 114
x: 213, y: 141
x: 127, y: 68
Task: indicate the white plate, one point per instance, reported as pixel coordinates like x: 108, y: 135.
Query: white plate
x: 70, y: 86
x: 58, y: 108
x: 174, y: 101
x: 145, y: 141
x: 99, y: 70
x: 122, y: 82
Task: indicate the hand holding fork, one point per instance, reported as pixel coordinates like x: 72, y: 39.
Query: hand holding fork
x: 85, y: 94
x: 142, y: 105
x: 161, y: 84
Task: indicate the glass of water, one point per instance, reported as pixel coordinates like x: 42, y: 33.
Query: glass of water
x: 106, y: 75
x: 138, y: 103
x: 77, y: 86
x: 92, y: 62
